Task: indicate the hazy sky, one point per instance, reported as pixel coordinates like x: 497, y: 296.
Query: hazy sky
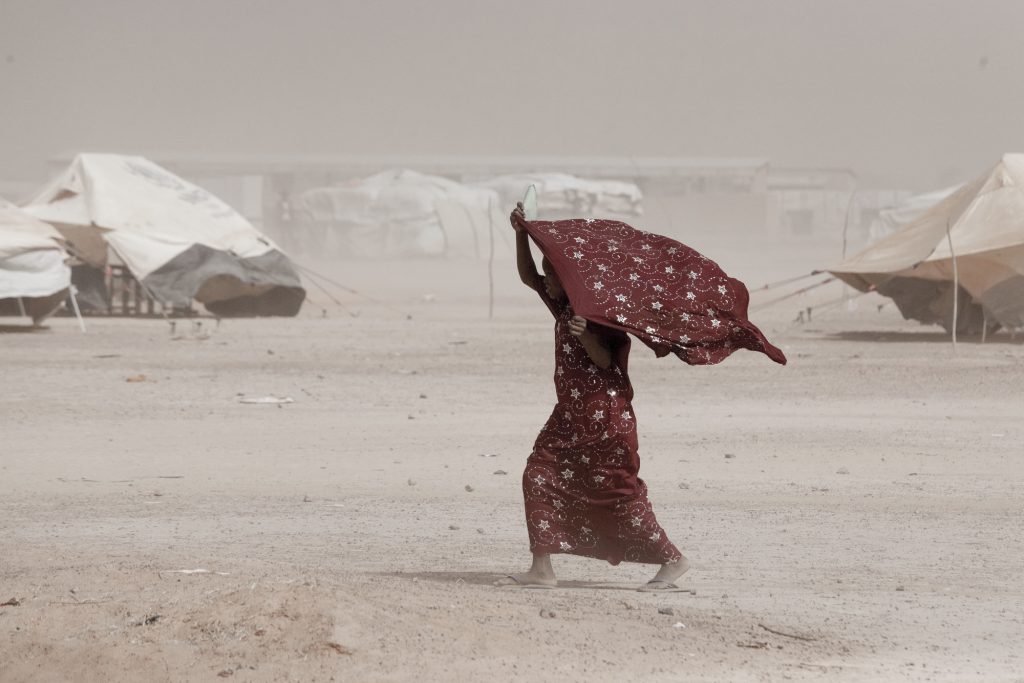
x: 909, y: 94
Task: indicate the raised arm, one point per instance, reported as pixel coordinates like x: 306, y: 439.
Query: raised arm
x: 524, y: 257
x: 597, y: 347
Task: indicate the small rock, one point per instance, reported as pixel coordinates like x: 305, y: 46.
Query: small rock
x: 270, y: 352
x: 225, y: 673
x: 679, y: 624
x: 730, y: 455
x: 411, y: 417
x: 411, y: 482
x: 842, y: 470
x: 453, y: 527
x: 547, y: 614
x: 480, y: 531
x: 500, y: 472
x: 683, y: 485
x: 423, y: 395
x: 666, y: 610
x: 307, y: 499
x: 469, y: 488
x: 900, y: 589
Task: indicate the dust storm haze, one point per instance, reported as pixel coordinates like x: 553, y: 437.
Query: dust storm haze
x: 224, y: 456
x: 909, y: 95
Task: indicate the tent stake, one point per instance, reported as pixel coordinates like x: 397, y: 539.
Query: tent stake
x: 956, y: 285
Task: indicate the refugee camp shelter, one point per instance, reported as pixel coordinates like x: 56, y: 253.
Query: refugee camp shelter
x: 982, y: 225
x: 34, y: 275
x: 180, y: 242
x: 400, y: 213
x: 561, y: 195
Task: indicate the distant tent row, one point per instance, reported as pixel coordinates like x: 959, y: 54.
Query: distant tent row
x: 914, y: 266
x: 180, y: 242
x: 405, y: 213
x: 34, y: 275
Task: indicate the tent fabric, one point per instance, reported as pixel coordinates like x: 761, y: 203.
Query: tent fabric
x: 895, y: 217
x: 149, y: 218
x: 985, y: 223
x: 405, y: 213
x: 560, y: 195
x: 668, y: 295
x: 32, y: 262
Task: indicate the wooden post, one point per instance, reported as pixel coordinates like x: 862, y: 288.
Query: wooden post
x: 490, y: 260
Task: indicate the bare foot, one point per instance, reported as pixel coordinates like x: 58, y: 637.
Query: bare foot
x: 666, y: 577
x: 541, y: 574
x: 527, y: 579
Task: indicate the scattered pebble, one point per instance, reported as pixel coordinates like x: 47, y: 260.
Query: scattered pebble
x: 842, y: 470
x: 411, y: 482
x: 679, y: 624
x: 900, y: 589
x: 307, y: 499
x: 547, y: 614
x: 499, y: 472
x: 666, y: 610
x: 453, y: 527
x: 683, y: 485
x: 480, y: 531
x: 730, y: 455
x: 411, y: 417
x: 469, y: 488
x: 423, y: 395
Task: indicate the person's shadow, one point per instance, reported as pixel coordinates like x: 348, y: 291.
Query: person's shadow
x: 488, y: 579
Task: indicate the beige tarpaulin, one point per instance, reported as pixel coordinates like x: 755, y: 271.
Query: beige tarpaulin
x: 914, y: 266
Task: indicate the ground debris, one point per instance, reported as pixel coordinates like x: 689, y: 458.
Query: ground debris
x: 147, y: 621
x: 547, y: 614
x: 500, y: 472
x: 787, y: 635
x: 13, y: 602
x: 666, y: 610
x: 338, y: 648
x: 753, y: 644
x: 469, y: 489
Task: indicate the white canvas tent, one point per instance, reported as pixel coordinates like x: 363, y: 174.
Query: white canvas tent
x: 405, y: 213
x: 914, y: 266
x: 180, y: 242
x: 34, y: 275
x: 560, y: 195
x: 893, y: 218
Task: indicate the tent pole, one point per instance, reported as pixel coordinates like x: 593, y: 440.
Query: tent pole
x: 846, y: 227
x: 74, y: 304
x: 956, y: 284
x: 21, y: 307
x: 490, y: 259
x: 984, y: 324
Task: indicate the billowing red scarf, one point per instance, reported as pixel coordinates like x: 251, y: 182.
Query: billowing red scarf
x: 666, y: 294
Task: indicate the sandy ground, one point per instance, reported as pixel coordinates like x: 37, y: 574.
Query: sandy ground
x: 866, y: 500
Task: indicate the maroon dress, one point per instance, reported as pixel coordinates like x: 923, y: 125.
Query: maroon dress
x: 583, y: 495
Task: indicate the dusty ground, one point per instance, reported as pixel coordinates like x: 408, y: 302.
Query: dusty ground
x: 866, y: 499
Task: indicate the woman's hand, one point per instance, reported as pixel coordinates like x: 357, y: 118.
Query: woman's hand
x: 518, y: 218
x: 577, y: 326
